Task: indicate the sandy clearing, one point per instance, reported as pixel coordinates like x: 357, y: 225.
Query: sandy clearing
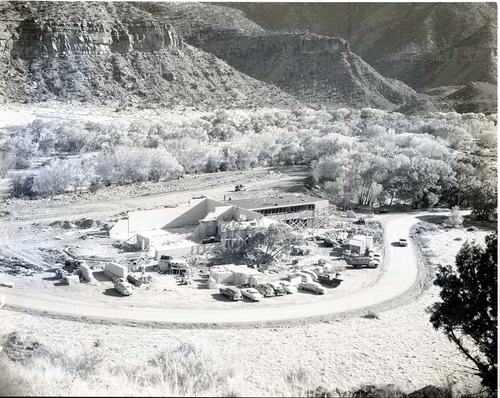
x: 399, y: 275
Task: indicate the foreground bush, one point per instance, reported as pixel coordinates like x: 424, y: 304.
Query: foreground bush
x: 182, y: 370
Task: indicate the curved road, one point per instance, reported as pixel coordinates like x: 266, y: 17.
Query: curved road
x: 398, y: 276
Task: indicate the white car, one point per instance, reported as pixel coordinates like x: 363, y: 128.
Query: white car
x: 251, y: 293
x: 288, y: 287
x: 123, y: 287
x: 314, y: 287
x: 403, y: 242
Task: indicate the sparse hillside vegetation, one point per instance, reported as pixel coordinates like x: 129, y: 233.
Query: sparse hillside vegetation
x: 179, y: 370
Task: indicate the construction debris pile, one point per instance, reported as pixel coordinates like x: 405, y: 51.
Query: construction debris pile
x: 231, y: 274
x: 13, y: 265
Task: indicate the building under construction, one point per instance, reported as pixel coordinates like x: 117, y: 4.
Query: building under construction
x: 298, y: 211
x: 204, y: 223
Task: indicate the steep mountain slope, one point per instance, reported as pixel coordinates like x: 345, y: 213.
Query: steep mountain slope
x: 399, y: 39
x: 317, y: 69
x: 309, y: 67
x: 114, y: 53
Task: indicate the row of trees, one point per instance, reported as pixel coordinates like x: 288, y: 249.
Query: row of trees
x: 408, y: 168
x: 124, y: 165
x: 300, y: 133
x: 365, y: 156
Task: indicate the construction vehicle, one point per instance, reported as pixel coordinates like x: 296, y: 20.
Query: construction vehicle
x: 361, y: 261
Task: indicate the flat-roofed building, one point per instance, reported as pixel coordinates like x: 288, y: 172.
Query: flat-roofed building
x: 299, y: 211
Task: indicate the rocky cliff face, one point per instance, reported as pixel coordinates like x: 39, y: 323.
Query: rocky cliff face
x: 35, y: 38
x: 114, y: 54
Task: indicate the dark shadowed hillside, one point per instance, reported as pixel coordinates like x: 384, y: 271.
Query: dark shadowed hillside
x: 316, y: 69
x: 455, y: 41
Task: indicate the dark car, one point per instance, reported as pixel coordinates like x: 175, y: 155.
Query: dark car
x: 329, y: 280
x: 265, y: 290
x: 278, y: 289
x: 231, y: 292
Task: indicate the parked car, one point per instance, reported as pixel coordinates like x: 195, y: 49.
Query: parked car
x: 231, y: 292
x: 251, y: 293
x: 288, y: 287
x: 403, y: 242
x: 376, y: 257
x: 314, y: 287
x: 373, y: 263
x: 123, y: 287
x: 264, y: 290
x: 329, y: 279
x: 278, y: 289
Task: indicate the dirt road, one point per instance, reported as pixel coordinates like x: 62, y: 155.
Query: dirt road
x: 109, y: 202
x: 401, y: 273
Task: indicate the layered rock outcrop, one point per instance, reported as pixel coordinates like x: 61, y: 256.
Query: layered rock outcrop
x: 34, y: 38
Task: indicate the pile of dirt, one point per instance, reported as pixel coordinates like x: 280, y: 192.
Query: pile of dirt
x: 83, y: 223
x: 16, y: 266
x: 62, y: 224
x: 86, y: 223
x: 52, y: 256
x: 20, y: 346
